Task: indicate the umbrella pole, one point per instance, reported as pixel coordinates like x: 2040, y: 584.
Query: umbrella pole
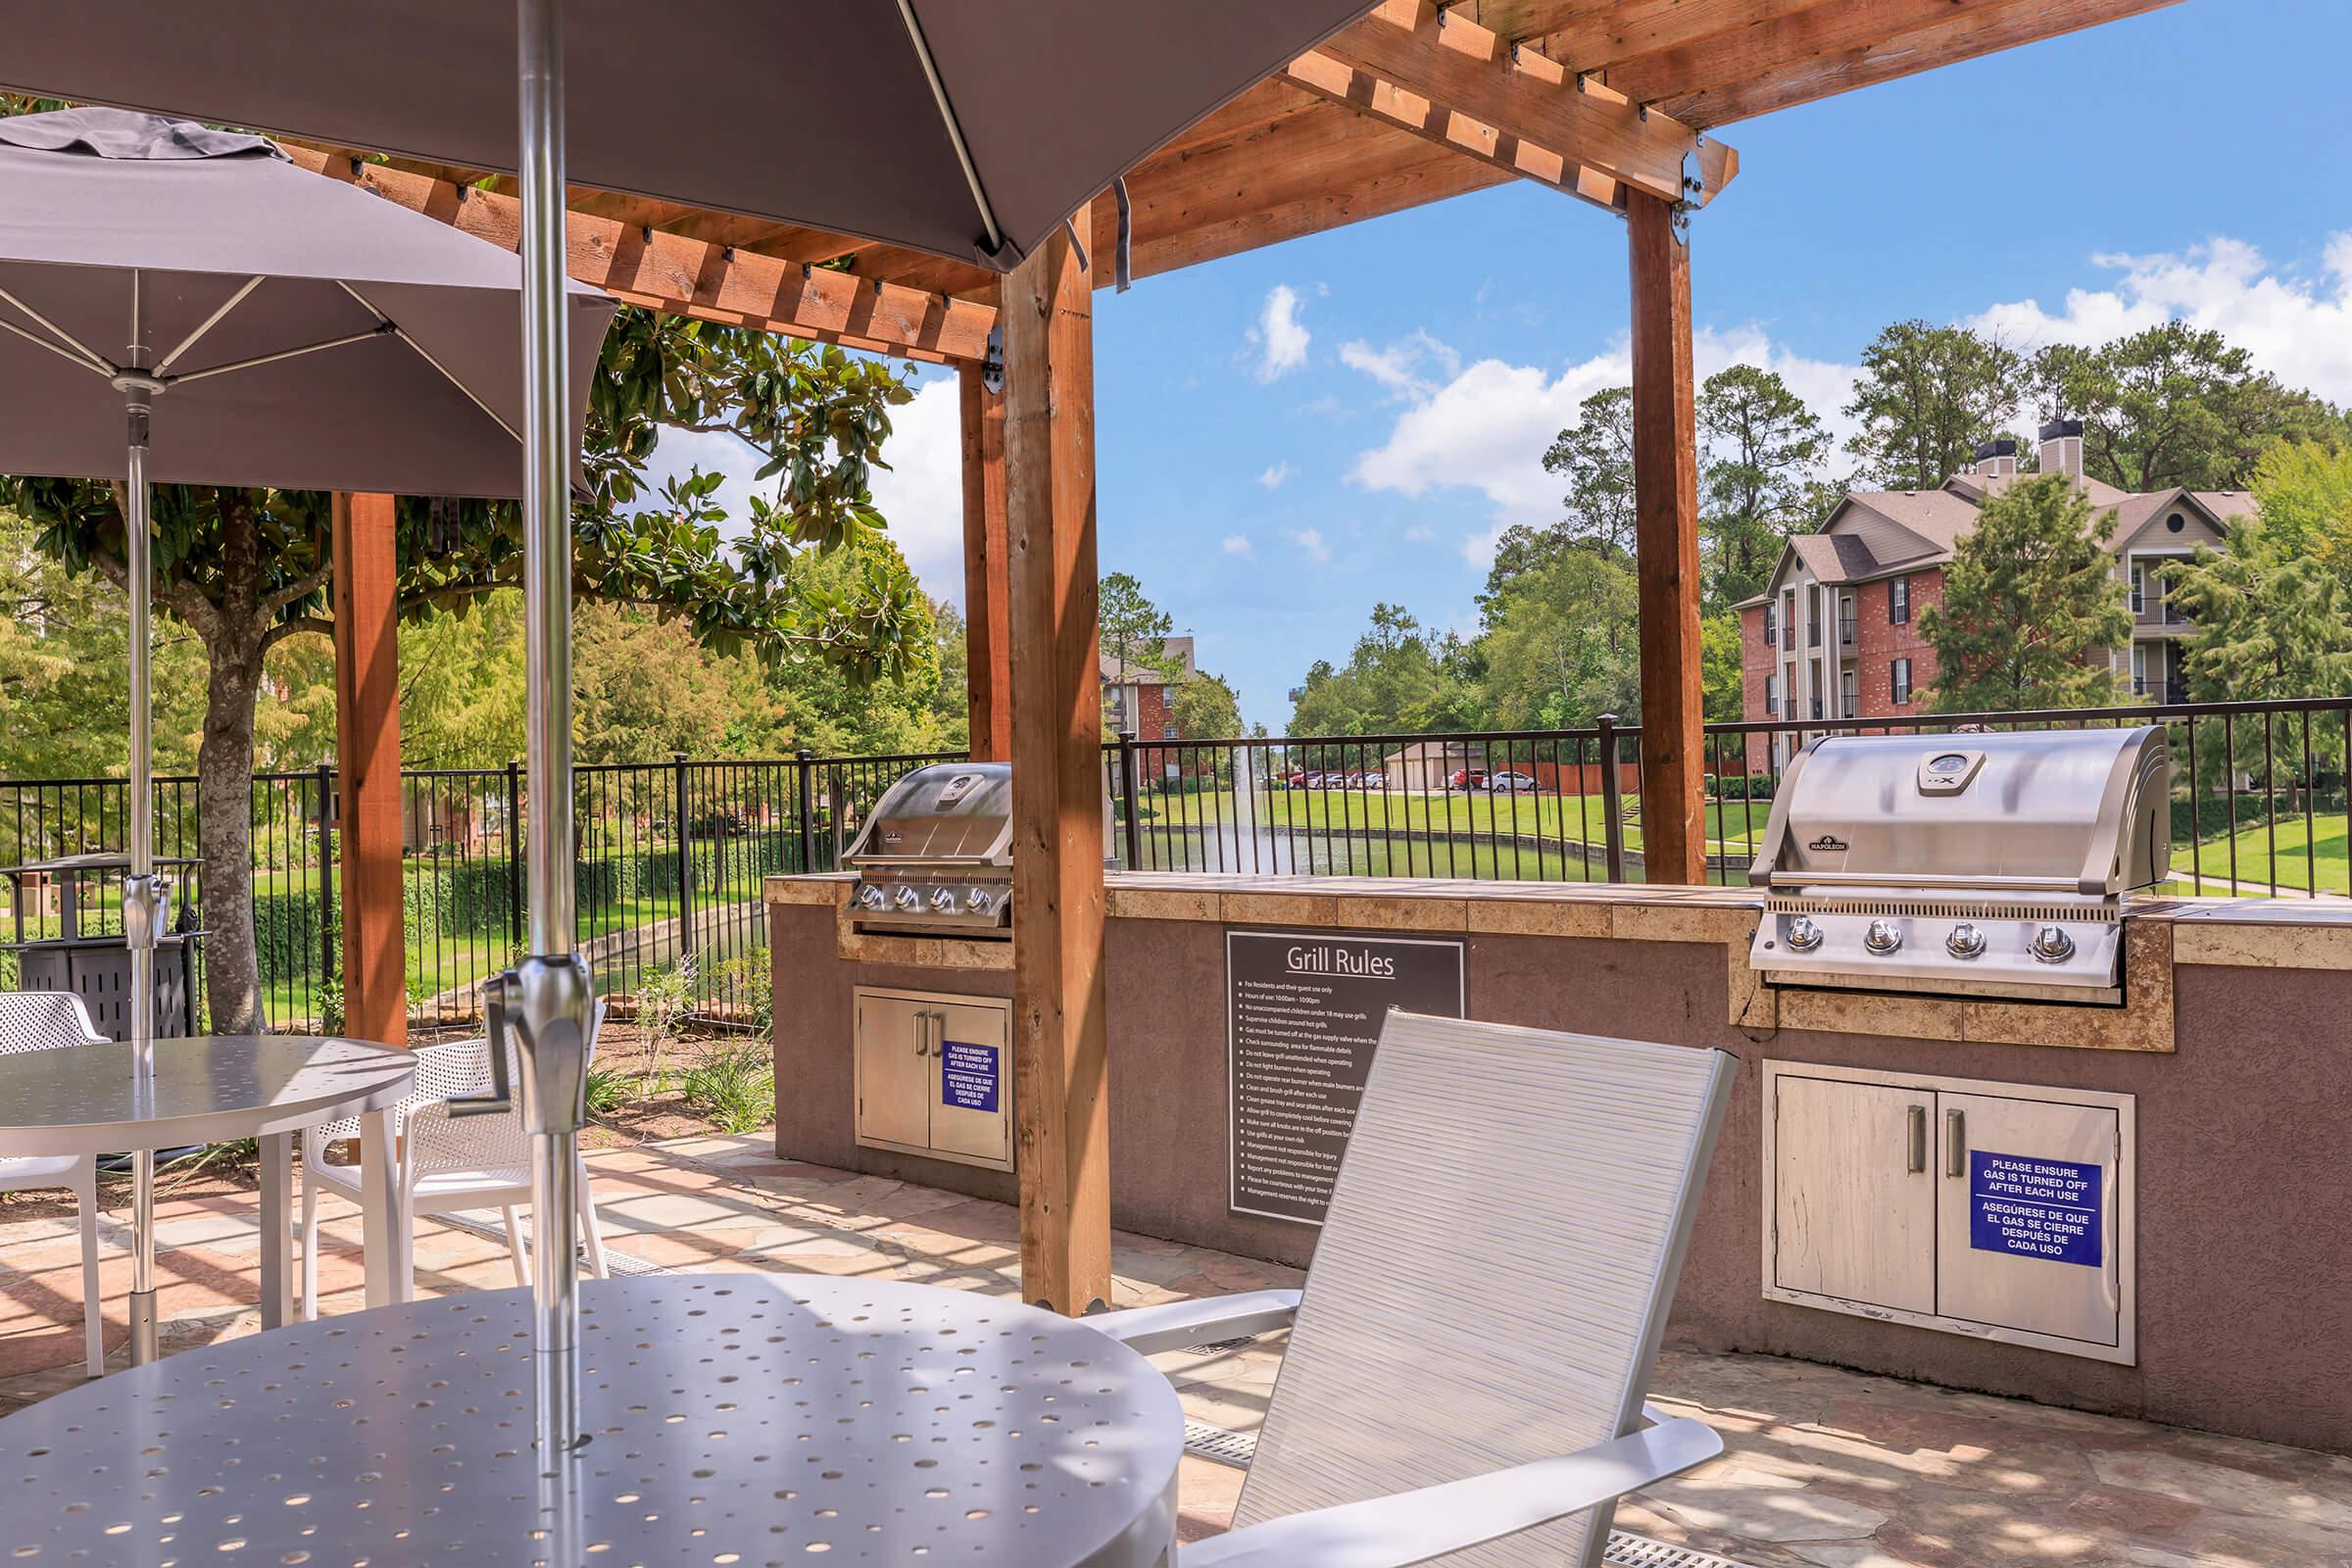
x: 554, y: 1020
x: 142, y: 898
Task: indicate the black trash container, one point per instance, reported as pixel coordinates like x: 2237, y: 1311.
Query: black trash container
x: 69, y: 948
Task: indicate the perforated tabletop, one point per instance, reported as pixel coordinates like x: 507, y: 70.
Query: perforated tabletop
x: 747, y: 1419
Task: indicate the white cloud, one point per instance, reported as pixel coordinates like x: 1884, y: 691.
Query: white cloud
x: 1486, y: 424
x: 921, y: 493
x: 1403, y: 367
x: 1238, y: 543
x: 1310, y: 539
x: 1281, y: 337
x: 1272, y: 478
x: 1420, y: 534
x: 2298, y: 327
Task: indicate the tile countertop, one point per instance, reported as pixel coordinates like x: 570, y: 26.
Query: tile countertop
x: 2235, y: 932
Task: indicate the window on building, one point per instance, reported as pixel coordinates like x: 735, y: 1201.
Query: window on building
x: 1772, y: 623
x: 1845, y: 693
x: 1898, y: 601
x: 1772, y: 694
x: 1167, y: 732
x: 2176, y: 523
x: 1900, y: 682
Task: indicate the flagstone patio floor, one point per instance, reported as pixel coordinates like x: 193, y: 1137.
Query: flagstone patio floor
x: 1823, y: 1468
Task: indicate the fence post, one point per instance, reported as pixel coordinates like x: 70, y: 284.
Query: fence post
x: 685, y: 858
x: 1612, y: 827
x: 837, y: 795
x: 1127, y: 791
x: 804, y: 789
x: 515, y: 855
x: 326, y: 873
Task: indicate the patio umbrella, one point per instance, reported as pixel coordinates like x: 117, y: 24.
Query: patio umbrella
x: 183, y: 306
x: 969, y: 129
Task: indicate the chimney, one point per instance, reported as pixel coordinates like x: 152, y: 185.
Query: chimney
x: 1996, y: 460
x: 2061, y: 448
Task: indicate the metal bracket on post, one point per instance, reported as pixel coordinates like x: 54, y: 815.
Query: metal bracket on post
x: 991, y: 363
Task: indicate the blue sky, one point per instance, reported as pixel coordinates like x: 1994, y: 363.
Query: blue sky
x: 1286, y: 437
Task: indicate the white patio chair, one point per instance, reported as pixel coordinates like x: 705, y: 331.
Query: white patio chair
x: 445, y: 1162
x: 49, y: 1020
x: 1466, y: 1367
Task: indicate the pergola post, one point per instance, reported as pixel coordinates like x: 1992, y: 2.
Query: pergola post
x: 368, y: 768
x: 1060, y: 1061
x: 987, y: 624
x: 1674, y: 842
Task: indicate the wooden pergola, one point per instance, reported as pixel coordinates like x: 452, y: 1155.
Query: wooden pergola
x: 1614, y: 103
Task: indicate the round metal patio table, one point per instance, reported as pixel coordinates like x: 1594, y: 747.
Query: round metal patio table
x: 733, y: 1418
x: 86, y: 1099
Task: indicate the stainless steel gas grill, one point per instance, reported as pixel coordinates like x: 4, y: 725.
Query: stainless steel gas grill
x: 1970, y: 865
x: 936, y: 852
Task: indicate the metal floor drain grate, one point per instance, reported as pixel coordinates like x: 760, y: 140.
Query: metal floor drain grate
x: 1639, y: 1551
x: 1218, y: 1445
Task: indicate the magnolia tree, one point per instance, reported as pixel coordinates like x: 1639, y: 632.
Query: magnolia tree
x: 246, y: 569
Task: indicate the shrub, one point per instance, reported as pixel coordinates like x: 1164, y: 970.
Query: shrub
x: 733, y: 1087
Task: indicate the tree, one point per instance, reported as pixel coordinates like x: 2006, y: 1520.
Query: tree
x: 246, y: 569
x: 1596, y: 456
x: 1926, y: 396
x: 1134, y: 629
x: 1520, y: 550
x: 1565, y: 647
x: 1400, y: 679
x: 2172, y: 406
x: 2031, y: 605
x: 1761, y: 482
x: 1205, y: 708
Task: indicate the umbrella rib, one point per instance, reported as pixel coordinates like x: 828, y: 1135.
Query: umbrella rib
x: 954, y: 127
x: 380, y: 330
x: 186, y: 343
x: 426, y: 355
x: 89, y: 356
x: 58, y: 349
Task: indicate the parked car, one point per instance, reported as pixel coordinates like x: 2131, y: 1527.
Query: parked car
x: 1511, y: 783
x: 1294, y: 779
x: 1373, y: 780
x: 1467, y: 778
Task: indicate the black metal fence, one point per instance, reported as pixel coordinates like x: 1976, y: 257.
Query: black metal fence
x: 2259, y: 804
x: 669, y: 865
x: 671, y: 854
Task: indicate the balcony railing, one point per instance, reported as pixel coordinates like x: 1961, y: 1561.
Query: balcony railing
x: 1845, y: 631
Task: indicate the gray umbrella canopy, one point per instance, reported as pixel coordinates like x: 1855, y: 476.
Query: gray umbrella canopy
x: 421, y: 394
x: 966, y: 128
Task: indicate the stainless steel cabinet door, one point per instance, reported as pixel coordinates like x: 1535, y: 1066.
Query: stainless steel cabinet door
x: 1854, y: 1198
x: 894, y: 1072
x: 2027, y: 1215
x: 971, y: 1082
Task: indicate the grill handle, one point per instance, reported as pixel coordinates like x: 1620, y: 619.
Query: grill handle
x: 1923, y: 879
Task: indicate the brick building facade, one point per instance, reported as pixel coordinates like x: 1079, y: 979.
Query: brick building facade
x: 1836, y: 633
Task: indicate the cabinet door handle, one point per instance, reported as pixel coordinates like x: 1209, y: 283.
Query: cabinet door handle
x: 922, y: 1034
x: 1955, y: 1144
x: 939, y: 1041
x: 1917, y: 1161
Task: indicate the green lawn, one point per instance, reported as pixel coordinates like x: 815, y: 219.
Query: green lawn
x: 1734, y: 825
x: 2302, y: 859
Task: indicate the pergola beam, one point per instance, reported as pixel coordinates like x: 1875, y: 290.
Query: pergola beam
x: 1520, y: 99
x: 1842, y: 45
x: 697, y: 278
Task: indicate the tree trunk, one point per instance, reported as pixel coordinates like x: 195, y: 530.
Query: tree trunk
x: 232, y: 978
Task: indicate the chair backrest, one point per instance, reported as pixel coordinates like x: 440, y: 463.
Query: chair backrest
x: 1495, y: 1270
x: 44, y: 1020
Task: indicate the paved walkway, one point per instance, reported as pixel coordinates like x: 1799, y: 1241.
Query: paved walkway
x: 1824, y: 1468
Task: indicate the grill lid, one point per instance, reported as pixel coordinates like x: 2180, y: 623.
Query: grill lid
x: 2070, y: 811
x: 949, y: 815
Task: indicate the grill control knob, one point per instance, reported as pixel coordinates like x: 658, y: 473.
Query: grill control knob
x: 943, y: 900
x: 1965, y: 941
x: 1883, y: 937
x: 871, y: 896
x: 978, y: 900
x: 1803, y: 935
x: 2051, y: 945
x: 907, y: 899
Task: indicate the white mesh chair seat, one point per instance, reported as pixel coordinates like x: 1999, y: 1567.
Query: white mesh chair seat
x: 1486, y: 1303
x: 54, y: 1020
x: 445, y: 1161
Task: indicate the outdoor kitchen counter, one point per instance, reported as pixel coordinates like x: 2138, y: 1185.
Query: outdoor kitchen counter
x: 2234, y: 1043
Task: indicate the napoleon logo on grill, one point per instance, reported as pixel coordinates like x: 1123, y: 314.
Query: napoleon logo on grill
x: 1828, y: 841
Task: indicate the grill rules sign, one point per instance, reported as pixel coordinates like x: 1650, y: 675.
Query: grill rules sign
x: 968, y: 1075
x: 2030, y: 1207
x: 1304, y: 1012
